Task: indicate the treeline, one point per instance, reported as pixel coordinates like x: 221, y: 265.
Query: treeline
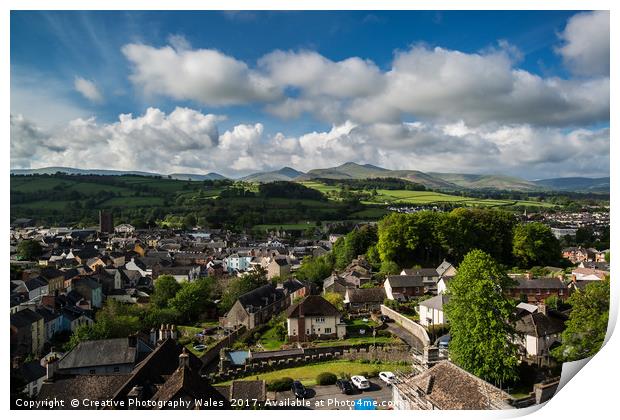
x: 375, y: 183
x: 426, y: 238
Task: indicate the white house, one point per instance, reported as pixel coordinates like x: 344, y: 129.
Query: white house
x: 538, y: 332
x: 314, y: 318
x: 124, y: 228
x: 432, y: 310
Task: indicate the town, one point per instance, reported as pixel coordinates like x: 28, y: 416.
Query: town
x: 115, y: 313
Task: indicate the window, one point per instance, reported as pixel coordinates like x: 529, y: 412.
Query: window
x: 307, y: 331
x: 320, y: 320
x: 116, y: 369
x: 328, y: 330
x: 538, y: 292
x: 92, y: 371
x: 561, y: 292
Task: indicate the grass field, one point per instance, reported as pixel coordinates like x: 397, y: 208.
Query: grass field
x: 307, y: 374
x: 386, y: 197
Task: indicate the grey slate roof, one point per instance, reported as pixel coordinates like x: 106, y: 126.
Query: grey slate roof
x: 376, y: 294
x: 436, y: 302
x: 540, y: 283
x: 113, y: 351
x: 312, y: 305
x: 405, y: 281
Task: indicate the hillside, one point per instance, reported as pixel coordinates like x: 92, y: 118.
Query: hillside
x: 211, y: 176
x: 576, y: 184
x: 75, y: 171
x: 284, y: 174
x: 482, y: 182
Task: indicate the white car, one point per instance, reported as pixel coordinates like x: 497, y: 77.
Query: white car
x: 360, y: 382
x: 387, y: 377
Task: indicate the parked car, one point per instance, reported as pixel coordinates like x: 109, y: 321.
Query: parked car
x: 385, y: 318
x: 360, y: 382
x: 200, y: 347
x: 344, y: 386
x: 387, y: 377
x: 298, y: 389
x: 443, y: 342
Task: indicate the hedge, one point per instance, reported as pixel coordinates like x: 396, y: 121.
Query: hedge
x: 279, y: 385
x: 326, y: 378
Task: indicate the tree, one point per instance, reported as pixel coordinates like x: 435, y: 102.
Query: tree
x: 534, y: 244
x: 166, y: 288
x: 314, y: 269
x: 335, y: 299
x: 587, y: 323
x: 389, y: 267
x: 193, y: 299
x: 481, y: 319
x: 29, y: 250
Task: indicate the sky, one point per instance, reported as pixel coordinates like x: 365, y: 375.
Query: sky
x: 521, y: 93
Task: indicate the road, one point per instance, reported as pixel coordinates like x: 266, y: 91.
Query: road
x: 405, y: 335
x: 329, y: 397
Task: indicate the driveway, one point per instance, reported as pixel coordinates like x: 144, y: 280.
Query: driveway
x: 329, y: 397
x: 405, y: 335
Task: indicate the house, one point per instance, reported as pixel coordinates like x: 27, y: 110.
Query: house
x: 256, y: 307
x: 124, y: 228
x: 180, y: 274
x: 364, y: 300
x: 251, y: 390
x: 89, y: 289
x: 99, y: 357
x: 589, y: 274
x: 536, y: 290
x: 402, y: 287
x: 446, y: 269
x: 236, y: 262
x: 446, y: 386
x: 335, y: 284
x: 33, y: 374
x: 293, y: 289
x: 429, y: 276
x: 55, y: 279
x: 538, y: 331
x: 36, y: 286
x: 27, y: 333
x: 443, y: 283
x: 314, y: 318
x: 278, y: 267
x: 72, y: 318
x: 52, y: 321
x: 432, y: 310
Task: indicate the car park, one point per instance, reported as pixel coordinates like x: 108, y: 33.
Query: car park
x: 344, y: 386
x: 298, y: 389
x: 360, y: 382
x: 388, y: 377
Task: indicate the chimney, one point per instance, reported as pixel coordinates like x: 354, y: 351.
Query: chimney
x: 528, y: 275
x: 184, y: 359
x: 561, y: 276
x: 153, y: 337
x: 136, y: 393
x: 542, y: 308
x: 52, y: 365
x: 173, y: 332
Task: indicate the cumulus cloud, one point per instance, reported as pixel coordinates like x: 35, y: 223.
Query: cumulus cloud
x: 187, y: 140
x: 585, y: 48
x: 428, y: 83
x: 442, y: 85
x: 88, y: 89
x: 205, y: 76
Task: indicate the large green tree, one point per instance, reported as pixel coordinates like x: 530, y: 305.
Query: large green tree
x: 193, y: 299
x: 315, y: 269
x: 29, y: 249
x: 480, y: 319
x: 534, y: 244
x: 587, y: 324
x: 166, y: 288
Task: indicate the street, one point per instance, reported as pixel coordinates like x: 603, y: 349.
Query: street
x: 329, y: 397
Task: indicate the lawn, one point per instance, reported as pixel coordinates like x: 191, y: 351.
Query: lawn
x: 270, y: 340
x: 352, y: 341
x: 307, y: 374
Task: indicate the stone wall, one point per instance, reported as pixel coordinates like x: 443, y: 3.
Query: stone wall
x: 413, y: 327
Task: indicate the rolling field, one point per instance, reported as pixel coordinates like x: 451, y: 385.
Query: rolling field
x: 387, y: 197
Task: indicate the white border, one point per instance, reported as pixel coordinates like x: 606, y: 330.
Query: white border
x: 590, y: 394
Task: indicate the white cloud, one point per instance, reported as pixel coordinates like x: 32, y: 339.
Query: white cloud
x: 88, y: 89
x: 585, y: 48
x: 188, y: 141
x: 205, y: 76
x: 443, y: 85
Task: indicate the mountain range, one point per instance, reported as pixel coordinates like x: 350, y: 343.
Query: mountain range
x: 351, y: 170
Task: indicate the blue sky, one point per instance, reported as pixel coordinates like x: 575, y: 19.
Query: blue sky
x: 318, y: 87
